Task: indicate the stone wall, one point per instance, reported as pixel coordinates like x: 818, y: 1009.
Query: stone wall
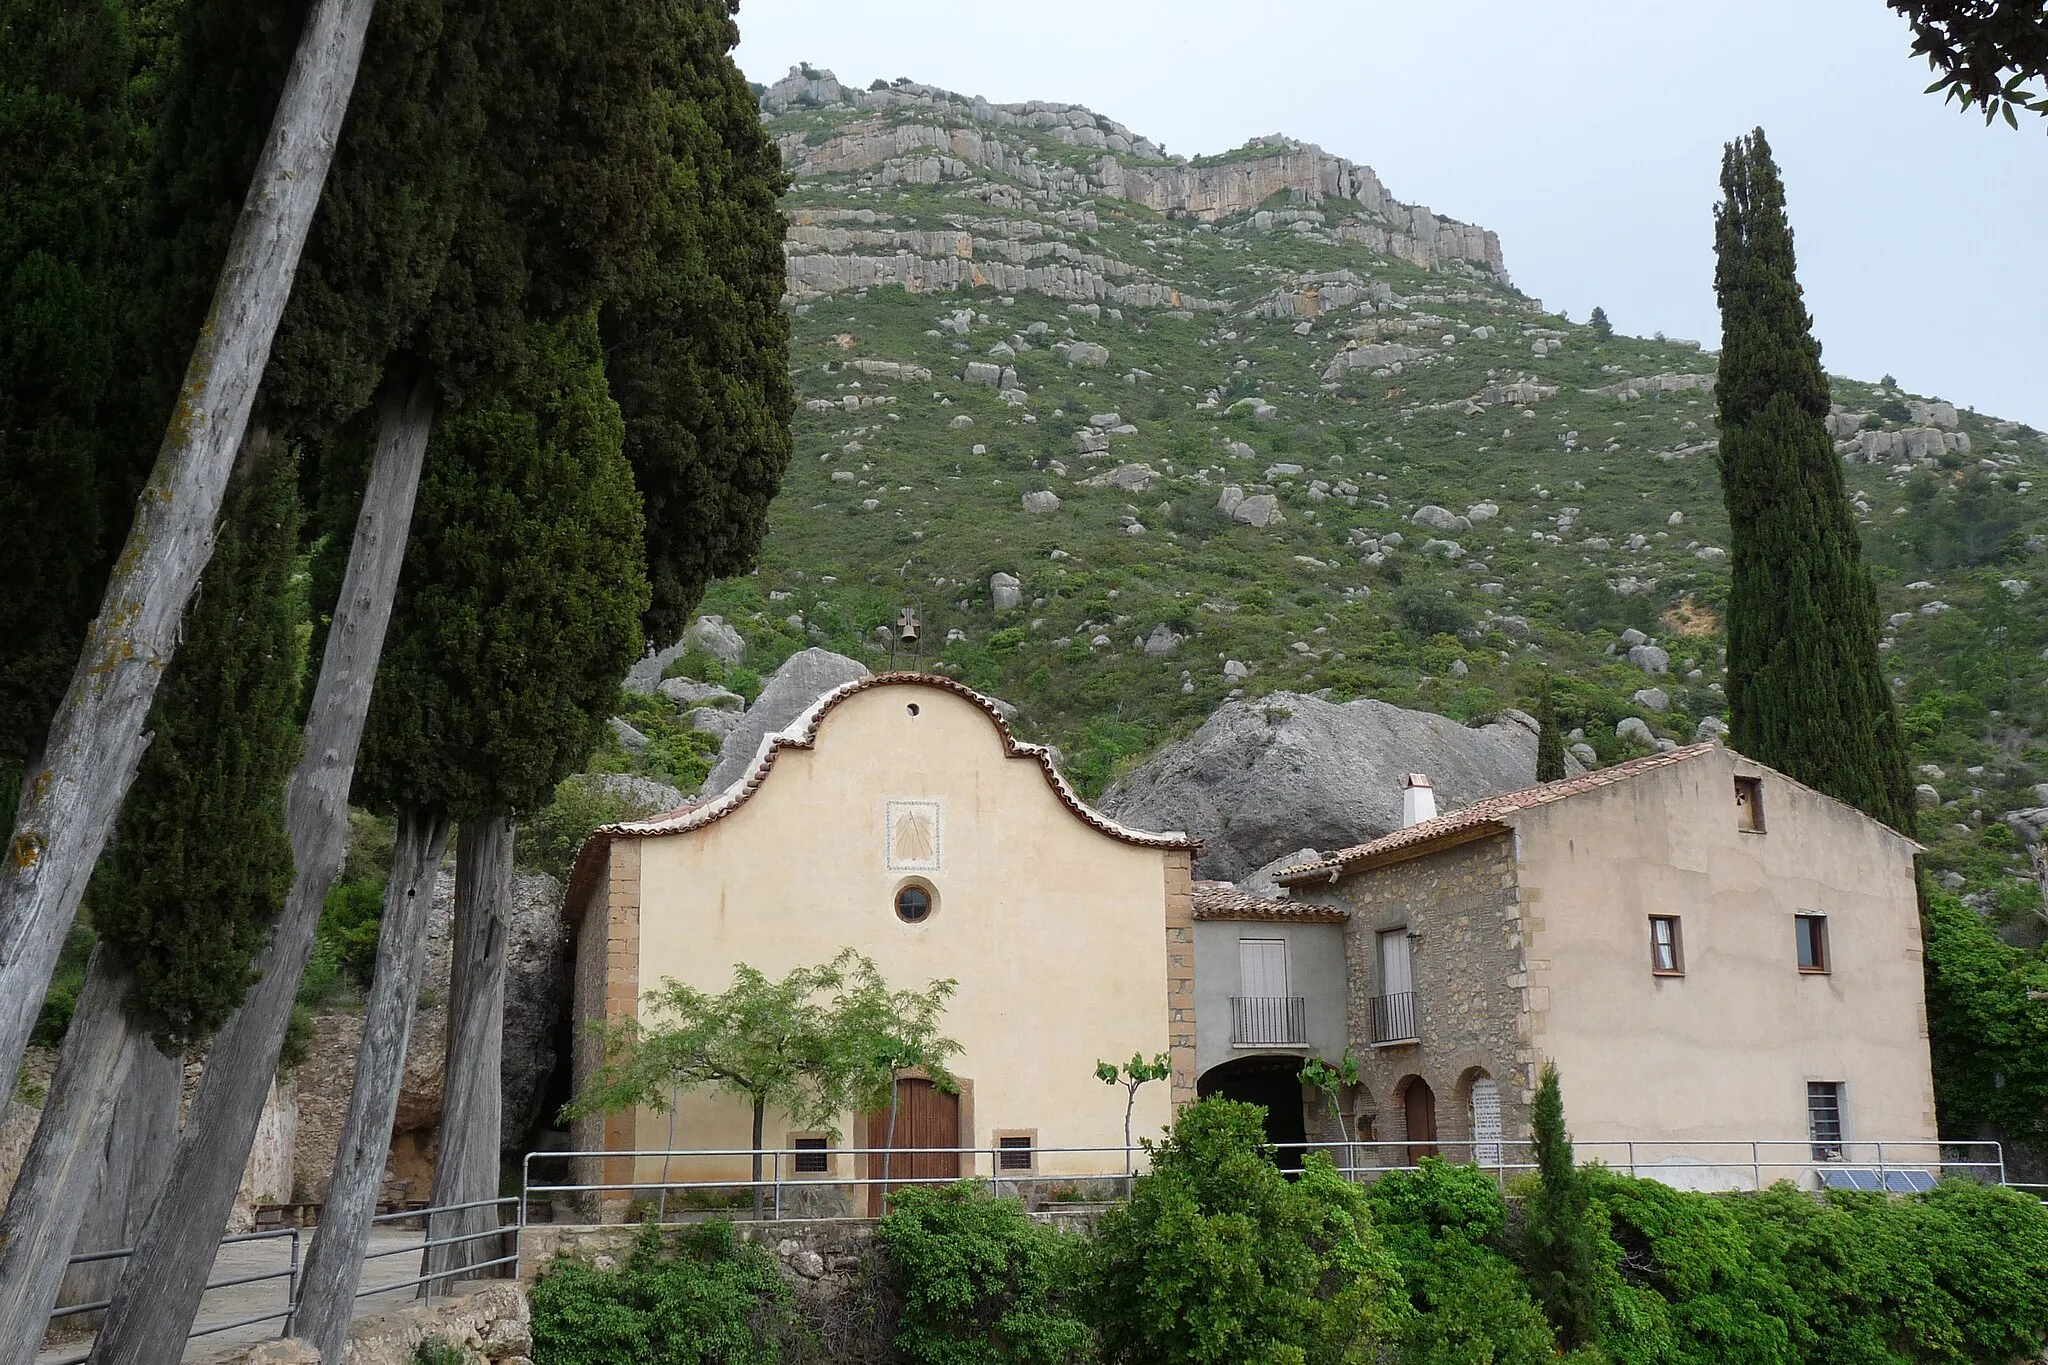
x: 493, y: 1324
x: 1469, y: 971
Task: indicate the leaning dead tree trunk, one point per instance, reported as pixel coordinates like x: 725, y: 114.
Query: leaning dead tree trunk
x: 137, y: 1157
x: 163, y: 1281
x: 472, y: 1094
x: 328, y: 1291
x: 49, y: 1198
x: 95, y: 740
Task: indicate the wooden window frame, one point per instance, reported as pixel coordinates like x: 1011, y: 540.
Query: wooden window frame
x: 1838, y: 1150
x: 1003, y: 1153
x: 1677, y: 967
x: 822, y: 1153
x: 1824, y: 958
x: 1749, y: 805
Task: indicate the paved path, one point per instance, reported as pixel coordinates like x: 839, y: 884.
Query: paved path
x: 240, y: 1259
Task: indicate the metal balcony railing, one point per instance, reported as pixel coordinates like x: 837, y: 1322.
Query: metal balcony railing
x: 1393, y: 1018
x: 1268, y: 1021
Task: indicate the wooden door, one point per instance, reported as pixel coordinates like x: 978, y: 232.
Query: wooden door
x: 1419, y: 1104
x: 926, y: 1117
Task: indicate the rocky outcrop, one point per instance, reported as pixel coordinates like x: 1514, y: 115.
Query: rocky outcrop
x: 805, y: 677
x: 536, y: 1008
x: 1284, y: 771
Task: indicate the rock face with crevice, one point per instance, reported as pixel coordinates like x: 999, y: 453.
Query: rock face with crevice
x: 1286, y: 771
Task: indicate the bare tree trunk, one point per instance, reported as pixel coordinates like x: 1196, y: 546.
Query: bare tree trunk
x: 335, y: 1265
x: 138, y: 1157
x: 760, y: 1125
x: 63, y: 1161
x: 95, y: 740
x: 163, y: 1281
x: 472, y: 1091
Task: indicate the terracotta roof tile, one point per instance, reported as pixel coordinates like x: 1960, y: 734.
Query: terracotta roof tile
x: 1481, y: 816
x: 1223, y: 901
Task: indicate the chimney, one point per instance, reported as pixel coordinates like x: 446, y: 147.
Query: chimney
x: 1418, y: 800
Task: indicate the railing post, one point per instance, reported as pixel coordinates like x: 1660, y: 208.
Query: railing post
x: 291, y: 1287
x: 1756, y: 1167
x: 776, y: 1170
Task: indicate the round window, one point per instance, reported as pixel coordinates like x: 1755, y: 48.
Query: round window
x: 914, y: 902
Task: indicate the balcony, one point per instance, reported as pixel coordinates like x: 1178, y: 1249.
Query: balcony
x: 1268, y: 1021
x: 1393, y: 1018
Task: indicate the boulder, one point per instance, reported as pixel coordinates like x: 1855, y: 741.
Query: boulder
x: 1132, y: 478
x: 688, y: 692
x: 1439, y: 518
x: 630, y: 739
x: 712, y: 635
x: 1653, y: 698
x: 645, y: 676
x: 1649, y: 658
x: 643, y: 794
x: 805, y: 677
x: 1087, y: 353
x: 714, y: 720
x: 2028, y: 824
x: 1163, y: 640
x: 1636, y: 730
x: 1044, y: 500
x: 1005, y: 592
x: 1260, y: 509
x: 1268, y: 775
x: 1711, y: 729
x: 1926, y: 797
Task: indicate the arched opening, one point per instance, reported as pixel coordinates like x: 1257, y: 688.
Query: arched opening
x: 1272, y: 1083
x: 1418, y: 1111
x: 1482, y: 1115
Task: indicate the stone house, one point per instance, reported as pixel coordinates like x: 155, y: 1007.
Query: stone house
x: 1709, y: 951
x: 898, y: 816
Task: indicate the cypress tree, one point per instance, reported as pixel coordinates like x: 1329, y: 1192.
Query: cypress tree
x: 696, y: 344
x: 68, y: 153
x: 199, y: 865
x: 1805, y: 693
x: 1559, y: 1250
x: 1549, y: 739
x: 1603, y: 330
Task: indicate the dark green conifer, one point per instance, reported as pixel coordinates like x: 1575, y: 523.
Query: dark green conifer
x: 199, y: 865
x: 522, y: 596
x: 1603, y: 330
x: 1560, y: 1251
x: 697, y: 345
x: 1549, y: 739
x: 1805, y: 693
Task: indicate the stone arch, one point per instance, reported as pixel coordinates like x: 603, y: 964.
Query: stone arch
x: 1416, y: 1111
x: 1477, y: 1115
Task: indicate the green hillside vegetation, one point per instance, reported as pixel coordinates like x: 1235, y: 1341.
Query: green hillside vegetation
x: 1592, y: 496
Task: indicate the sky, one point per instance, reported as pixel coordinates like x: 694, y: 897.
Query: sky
x: 1587, y: 133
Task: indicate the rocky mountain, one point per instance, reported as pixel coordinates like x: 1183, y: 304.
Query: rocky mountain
x: 1140, y: 436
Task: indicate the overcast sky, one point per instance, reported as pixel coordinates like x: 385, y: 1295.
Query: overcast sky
x: 1588, y: 133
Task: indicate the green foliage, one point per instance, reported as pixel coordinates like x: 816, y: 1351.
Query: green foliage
x: 1550, y: 766
x: 879, y: 1033
x: 1805, y: 693
x: 199, y: 865
x: 349, y: 921
x: 1987, y: 1021
x: 438, y: 1351
x: 713, y: 1300
x: 1218, y: 1257
x: 1132, y: 1075
x: 1429, y: 611
x: 548, y: 840
x: 1987, y: 54
x: 1559, y: 1242
x: 697, y: 344
x: 1330, y: 1078
x: 65, y: 982
x: 523, y: 588
x: 1446, y: 1226
x: 982, y: 1284
x: 1602, y: 329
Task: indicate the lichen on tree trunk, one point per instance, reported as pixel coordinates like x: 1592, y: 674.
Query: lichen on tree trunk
x: 163, y: 1281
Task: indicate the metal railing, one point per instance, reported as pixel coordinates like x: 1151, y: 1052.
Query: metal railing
x: 1715, y: 1164
x: 781, y: 1185
x: 290, y: 1273
x: 1393, y: 1017
x: 1268, y: 1021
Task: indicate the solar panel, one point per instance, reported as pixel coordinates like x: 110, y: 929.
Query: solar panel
x: 1908, y: 1182
x: 1839, y: 1178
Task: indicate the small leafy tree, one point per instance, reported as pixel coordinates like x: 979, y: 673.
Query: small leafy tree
x: 1603, y: 330
x: 1136, y: 1072
x: 1560, y: 1243
x: 1330, y: 1078
x: 768, y: 1041
x: 882, y: 1034
x: 1218, y: 1257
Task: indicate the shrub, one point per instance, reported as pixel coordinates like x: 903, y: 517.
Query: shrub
x: 1217, y: 1257
x: 1560, y: 1245
x: 1445, y: 1226
x: 1426, y: 611
x: 981, y: 1284
x: 714, y: 1301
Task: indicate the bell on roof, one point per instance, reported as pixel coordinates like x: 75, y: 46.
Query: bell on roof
x: 906, y: 626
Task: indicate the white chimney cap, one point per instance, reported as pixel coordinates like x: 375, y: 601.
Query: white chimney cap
x: 1415, y: 780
